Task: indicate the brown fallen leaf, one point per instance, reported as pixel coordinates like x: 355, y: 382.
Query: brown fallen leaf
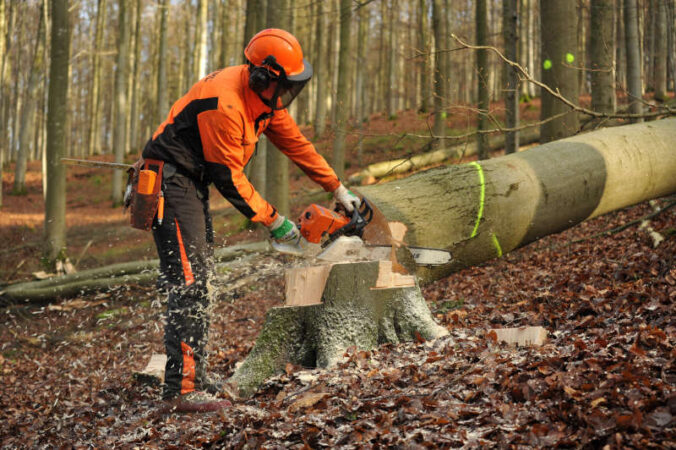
x: 597, y: 402
x: 572, y: 392
x: 307, y: 400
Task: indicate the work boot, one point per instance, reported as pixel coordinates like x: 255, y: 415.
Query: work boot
x: 196, y: 402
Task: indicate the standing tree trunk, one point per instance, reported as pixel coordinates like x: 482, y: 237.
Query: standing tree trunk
x: 360, y: 82
x: 559, y: 44
x: 135, y: 87
x: 55, y: 202
x: 320, y: 72
x: 671, y: 47
x: 120, y: 131
x: 342, y: 95
x: 620, y: 48
x: 3, y: 91
x: 256, y: 170
x: 392, y: 91
x: 162, y: 95
x: 94, y: 94
x: 483, y: 92
x: 200, y: 57
x: 277, y: 165
x: 661, y: 41
x: 602, y: 49
x: 634, y: 83
x: 424, y: 56
x: 510, y: 28
x: 440, y: 73
x: 28, y: 113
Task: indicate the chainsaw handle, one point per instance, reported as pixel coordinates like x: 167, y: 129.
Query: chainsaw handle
x: 355, y: 227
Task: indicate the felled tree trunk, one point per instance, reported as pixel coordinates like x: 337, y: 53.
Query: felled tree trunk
x: 354, y: 311
x: 480, y: 211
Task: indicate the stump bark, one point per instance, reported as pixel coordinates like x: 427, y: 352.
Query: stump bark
x: 353, y: 312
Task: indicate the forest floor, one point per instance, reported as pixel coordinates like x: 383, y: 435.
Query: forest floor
x: 605, y: 376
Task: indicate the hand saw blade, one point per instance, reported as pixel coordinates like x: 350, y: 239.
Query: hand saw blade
x: 98, y: 164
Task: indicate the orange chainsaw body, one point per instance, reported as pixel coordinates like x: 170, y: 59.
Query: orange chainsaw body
x: 316, y: 221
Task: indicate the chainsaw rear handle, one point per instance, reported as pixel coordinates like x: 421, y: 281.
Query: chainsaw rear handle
x: 355, y: 227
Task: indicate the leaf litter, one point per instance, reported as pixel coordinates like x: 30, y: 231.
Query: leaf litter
x: 604, y: 377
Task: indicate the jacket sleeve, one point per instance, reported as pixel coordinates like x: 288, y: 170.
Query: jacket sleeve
x: 284, y: 133
x: 221, y: 136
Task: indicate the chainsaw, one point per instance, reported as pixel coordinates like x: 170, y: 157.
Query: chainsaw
x: 333, y: 235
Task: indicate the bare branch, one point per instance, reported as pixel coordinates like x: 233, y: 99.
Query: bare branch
x: 663, y: 110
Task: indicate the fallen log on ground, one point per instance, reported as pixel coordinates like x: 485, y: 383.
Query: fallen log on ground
x: 478, y: 211
x: 482, y: 210
x: 135, y: 272
x: 404, y: 165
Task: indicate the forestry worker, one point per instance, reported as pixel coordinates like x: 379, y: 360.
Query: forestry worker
x: 208, y: 137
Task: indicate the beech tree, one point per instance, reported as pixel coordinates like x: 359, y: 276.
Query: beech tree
x: 633, y: 56
x: 602, y: 56
x: 510, y: 27
x: 438, y: 25
x: 660, y: 50
x: 55, y: 176
x: 277, y: 164
x: 30, y: 106
x: 342, y: 94
x: 120, y: 129
x: 559, y: 44
x: 483, y: 93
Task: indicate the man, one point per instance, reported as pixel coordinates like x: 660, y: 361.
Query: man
x: 208, y: 137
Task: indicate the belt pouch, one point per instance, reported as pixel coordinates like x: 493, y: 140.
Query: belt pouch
x: 145, y: 199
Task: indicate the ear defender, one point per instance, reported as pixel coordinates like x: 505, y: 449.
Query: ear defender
x: 260, y: 76
x: 259, y: 79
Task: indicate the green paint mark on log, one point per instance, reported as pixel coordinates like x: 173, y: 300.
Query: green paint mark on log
x: 496, y: 243
x: 482, y: 197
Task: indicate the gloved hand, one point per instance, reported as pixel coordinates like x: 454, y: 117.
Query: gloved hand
x: 346, y: 198
x: 283, y: 231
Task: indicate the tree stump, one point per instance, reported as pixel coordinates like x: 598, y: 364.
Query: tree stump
x: 363, y: 304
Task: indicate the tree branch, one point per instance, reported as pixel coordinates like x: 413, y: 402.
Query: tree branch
x: 663, y: 110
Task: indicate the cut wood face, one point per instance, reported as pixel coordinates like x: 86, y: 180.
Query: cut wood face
x: 305, y: 285
x: 519, y: 336
x: 388, y: 278
x: 398, y: 230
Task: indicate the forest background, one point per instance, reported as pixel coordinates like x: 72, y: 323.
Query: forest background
x: 393, y: 79
x: 406, y: 62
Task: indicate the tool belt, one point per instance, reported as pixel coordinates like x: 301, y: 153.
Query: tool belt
x: 146, y: 194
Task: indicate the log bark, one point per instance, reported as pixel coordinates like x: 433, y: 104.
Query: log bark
x: 481, y: 211
x: 137, y: 272
x: 352, y: 313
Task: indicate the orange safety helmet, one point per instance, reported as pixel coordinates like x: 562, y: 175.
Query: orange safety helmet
x: 275, y: 55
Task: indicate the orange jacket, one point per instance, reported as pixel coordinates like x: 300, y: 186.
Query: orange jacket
x: 210, y: 135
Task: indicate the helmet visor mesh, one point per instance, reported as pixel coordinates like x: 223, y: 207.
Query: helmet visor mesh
x: 288, y: 91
